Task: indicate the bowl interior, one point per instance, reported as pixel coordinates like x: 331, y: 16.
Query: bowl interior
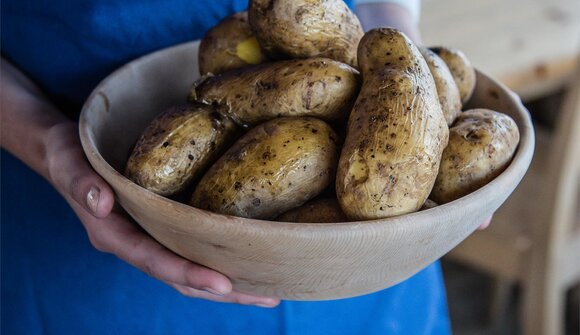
x: 286, y: 260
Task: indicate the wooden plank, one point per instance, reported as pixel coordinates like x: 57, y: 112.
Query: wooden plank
x: 493, y: 253
x: 530, y: 45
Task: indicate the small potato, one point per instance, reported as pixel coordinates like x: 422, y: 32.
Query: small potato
x: 274, y: 167
x: 461, y: 69
x: 319, y: 210
x: 429, y: 204
x: 229, y: 45
x: 306, y: 29
x: 396, y: 131
x: 177, y: 147
x: 316, y: 87
x: 482, y: 142
x: 447, y: 90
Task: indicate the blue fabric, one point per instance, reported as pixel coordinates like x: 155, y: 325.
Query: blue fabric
x: 55, y: 282
x: 70, y: 46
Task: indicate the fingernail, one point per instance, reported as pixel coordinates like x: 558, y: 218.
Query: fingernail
x: 212, y: 291
x: 264, y: 305
x: 93, y: 198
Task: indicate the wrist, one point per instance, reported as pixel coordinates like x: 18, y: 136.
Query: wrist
x: 30, y: 141
x: 384, y: 14
x: 27, y: 118
x: 60, y: 140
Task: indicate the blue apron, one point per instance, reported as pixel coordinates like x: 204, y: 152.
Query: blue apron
x: 55, y: 282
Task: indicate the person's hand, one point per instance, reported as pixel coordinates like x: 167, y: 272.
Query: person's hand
x: 111, y: 230
x: 485, y: 224
x: 389, y: 14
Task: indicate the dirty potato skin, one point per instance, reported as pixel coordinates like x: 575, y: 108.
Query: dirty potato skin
x: 461, y: 69
x: 447, y: 90
x: 274, y: 167
x: 428, y: 205
x: 231, y: 44
x: 177, y: 147
x: 482, y: 142
x: 396, y: 131
x: 319, y: 210
x: 306, y: 28
x: 316, y: 87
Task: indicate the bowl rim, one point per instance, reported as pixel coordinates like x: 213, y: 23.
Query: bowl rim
x: 519, y: 162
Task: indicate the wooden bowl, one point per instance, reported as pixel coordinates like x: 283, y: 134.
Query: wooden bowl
x: 285, y: 260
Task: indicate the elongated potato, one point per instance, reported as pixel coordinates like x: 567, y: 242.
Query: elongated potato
x: 319, y: 210
x: 396, y: 131
x: 461, y: 69
x: 482, y: 142
x: 447, y: 89
x: 177, y: 147
x: 306, y: 28
x: 229, y: 45
x: 274, y: 167
x: 316, y: 87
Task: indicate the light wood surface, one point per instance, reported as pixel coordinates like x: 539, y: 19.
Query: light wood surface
x: 532, y: 46
x: 285, y: 260
x: 534, y: 238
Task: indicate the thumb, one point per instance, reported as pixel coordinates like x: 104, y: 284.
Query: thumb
x: 72, y: 175
x: 89, y: 190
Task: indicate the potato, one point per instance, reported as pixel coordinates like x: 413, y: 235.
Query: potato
x: 229, y: 45
x: 306, y: 28
x: 319, y: 210
x: 447, y: 90
x: 316, y: 87
x: 177, y: 147
x: 274, y: 167
x: 461, y: 69
x: 396, y: 131
x: 428, y: 205
x: 482, y: 142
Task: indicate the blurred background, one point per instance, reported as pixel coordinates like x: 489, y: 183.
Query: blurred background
x: 521, y: 275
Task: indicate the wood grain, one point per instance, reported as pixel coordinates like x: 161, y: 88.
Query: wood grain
x: 286, y: 260
x: 532, y: 46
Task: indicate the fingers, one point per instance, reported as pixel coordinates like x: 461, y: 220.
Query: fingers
x: 136, y: 247
x: 119, y: 236
x: 72, y: 174
x: 232, y: 297
x: 485, y: 224
x: 93, y: 200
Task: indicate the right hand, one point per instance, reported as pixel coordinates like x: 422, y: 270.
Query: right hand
x: 111, y: 230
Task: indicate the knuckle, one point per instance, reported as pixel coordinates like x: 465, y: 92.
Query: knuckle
x: 188, y: 278
x: 149, y: 268
x: 74, y: 188
x: 98, y: 242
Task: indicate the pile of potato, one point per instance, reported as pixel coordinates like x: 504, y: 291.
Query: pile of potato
x: 300, y: 117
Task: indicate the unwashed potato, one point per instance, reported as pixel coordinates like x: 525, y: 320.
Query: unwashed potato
x: 319, y: 210
x: 306, y: 28
x: 447, y: 90
x: 177, y: 147
x: 229, y: 45
x: 276, y: 166
x: 461, y: 69
x: 482, y: 142
x: 317, y: 87
x: 396, y: 131
x: 429, y: 204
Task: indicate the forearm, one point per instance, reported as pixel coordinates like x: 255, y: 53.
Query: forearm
x: 27, y: 119
x: 379, y: 14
